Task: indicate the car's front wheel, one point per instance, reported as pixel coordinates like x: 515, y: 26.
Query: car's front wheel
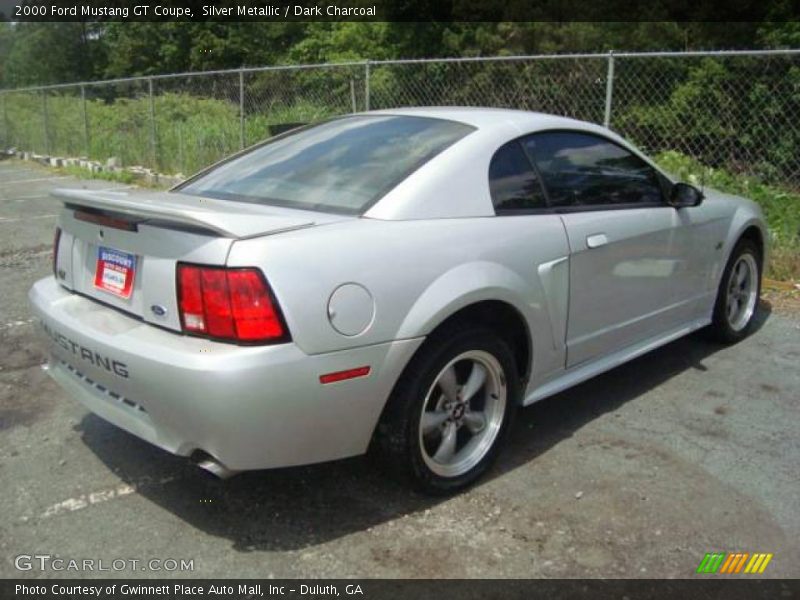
x: 738, y: 294
x: 449, y: 413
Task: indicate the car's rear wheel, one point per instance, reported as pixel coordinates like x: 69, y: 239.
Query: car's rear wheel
x: 450, y: 411
x: 738, y: 294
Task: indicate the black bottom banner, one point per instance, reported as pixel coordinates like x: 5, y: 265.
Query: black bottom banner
x: 413, y: 589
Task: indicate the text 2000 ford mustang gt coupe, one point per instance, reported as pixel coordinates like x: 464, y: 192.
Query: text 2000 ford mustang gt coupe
x: 398, y: 281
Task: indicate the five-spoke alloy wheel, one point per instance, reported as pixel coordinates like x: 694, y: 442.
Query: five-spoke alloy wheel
x: 450, y: 411
x: 739, y: 290
x: 462, y: 413
x: 742, y: 296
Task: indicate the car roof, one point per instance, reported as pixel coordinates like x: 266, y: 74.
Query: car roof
x: 481, y: 117
x: 455, y: 183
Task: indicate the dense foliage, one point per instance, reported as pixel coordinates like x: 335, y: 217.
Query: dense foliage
x: 45, y: 53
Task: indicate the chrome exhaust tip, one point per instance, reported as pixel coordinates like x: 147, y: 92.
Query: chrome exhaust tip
x: 216, y: 468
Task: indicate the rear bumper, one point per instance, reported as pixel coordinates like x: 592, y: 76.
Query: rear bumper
x: 250, y: 407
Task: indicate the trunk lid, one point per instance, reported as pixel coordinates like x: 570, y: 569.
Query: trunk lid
x: 135, y: 239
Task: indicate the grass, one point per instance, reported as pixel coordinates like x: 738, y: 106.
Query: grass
x: 191, y: 132
x: 118, y: 176
x: 781, y: 208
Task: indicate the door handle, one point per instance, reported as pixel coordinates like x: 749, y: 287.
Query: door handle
x: 596, y: 240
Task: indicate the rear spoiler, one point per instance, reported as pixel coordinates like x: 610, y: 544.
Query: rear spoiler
x: 228, y: 219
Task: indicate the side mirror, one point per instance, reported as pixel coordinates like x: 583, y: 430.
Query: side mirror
x: 682, y: 195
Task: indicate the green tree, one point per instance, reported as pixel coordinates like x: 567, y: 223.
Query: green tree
x: 152, y: 48
x: 6, y: 33
x: 780, y: 35
x: 136, y: 48
x: 39, y: 53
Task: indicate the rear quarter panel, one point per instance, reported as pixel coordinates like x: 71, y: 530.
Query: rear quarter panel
x: 418, y: 272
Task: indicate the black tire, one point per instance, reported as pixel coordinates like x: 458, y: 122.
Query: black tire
x: 721, y: 328
x: 398, y: 439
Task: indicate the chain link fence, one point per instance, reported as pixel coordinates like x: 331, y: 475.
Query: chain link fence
x: 561, y: 85
x: 736, y: 110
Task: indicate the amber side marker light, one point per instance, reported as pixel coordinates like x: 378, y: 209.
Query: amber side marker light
x: 342, y: 375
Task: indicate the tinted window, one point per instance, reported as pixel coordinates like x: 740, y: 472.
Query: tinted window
x: 343, y: 165
x: 585, y: 170
x: 512, y: 180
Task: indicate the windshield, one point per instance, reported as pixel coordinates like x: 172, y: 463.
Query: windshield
x: 342, y: 166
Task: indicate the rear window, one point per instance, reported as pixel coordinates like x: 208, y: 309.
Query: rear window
x: 341, y: 166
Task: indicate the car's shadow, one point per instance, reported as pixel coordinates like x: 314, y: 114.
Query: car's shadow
x: 289, y: 509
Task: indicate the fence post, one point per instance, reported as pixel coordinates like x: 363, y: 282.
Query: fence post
x: 153, y: 142
x: 241, y: 109
x: 46, y: 123
x: 366, y: 85
x: 86, y: 140
x: 180, y: 148
x: 6, y: 133
x: 609, y: 89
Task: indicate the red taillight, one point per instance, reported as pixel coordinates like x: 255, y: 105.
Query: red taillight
x: 216, y: 299
x: 56, y: 241
x: 253, y: 311
x: 228, y: 304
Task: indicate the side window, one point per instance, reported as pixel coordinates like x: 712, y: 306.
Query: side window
x: 580, y: 169
x: 512, y: 180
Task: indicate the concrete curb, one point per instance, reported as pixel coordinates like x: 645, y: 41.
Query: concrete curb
x: 148, y: 175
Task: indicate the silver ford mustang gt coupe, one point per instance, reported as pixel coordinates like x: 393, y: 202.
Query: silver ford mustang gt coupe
x: 397, y: 281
